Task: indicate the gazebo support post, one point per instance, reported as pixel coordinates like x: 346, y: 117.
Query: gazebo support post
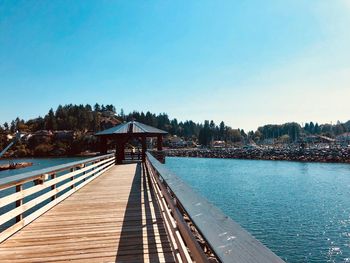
x: 103, y: 145
x: 119, y: 151
x: 144, y: 148
x: 159, y: 143
x: 122, y: 146
x: 160, y: 154
x: 116, y: 153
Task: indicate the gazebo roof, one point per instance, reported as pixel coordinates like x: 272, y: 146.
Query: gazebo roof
x: 132, y: 127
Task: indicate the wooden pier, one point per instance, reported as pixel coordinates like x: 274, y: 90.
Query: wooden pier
x: 96, y: 211
x: 112, y: 218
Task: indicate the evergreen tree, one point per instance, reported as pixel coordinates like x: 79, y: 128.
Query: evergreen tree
x: 97, y: 107
x: 13, y: 126
x: 50, y: 121
x: 316, y: 129
x: 222, y: 131
x: 312, y: 128
x: 6, y: 126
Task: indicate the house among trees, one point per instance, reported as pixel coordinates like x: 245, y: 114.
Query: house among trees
x: 269, y: 141
x: 64, y: 135
x: 177, y: 142
x: 318, y: 140
x: 343, y: 139
x: 218, y: 144
x: 41, y: 136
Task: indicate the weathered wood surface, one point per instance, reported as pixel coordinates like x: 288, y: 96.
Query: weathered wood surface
x: 112, y: 219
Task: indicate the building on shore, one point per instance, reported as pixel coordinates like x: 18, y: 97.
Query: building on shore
x: 178, y: 142
x: 343, y: 139
x: 218, y: 144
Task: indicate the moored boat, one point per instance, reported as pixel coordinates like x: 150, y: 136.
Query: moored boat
x: 12, y: 166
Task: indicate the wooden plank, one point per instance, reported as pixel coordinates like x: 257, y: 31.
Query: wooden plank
x: 121, y: 223
x: 75, y: 240
x: 101, y: 257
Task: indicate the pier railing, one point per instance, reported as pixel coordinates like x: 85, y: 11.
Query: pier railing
x: 24, y: 197
x: 200, y: 231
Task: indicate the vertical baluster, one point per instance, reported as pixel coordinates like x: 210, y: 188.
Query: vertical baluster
x: 19, y: 202
x: 53, y: 176
x: 93, y: 168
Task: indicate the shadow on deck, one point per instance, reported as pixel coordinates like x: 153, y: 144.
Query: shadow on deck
x: 143, y: 237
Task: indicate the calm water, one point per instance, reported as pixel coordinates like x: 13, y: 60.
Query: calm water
x: 301, y: 211
x: 38, y: 163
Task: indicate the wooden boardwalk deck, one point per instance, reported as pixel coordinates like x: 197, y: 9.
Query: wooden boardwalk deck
x: 115, y: 218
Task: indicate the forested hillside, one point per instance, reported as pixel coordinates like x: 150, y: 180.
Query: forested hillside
x: 69, y: 130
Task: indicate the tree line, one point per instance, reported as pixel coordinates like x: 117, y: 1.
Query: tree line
x: 86, y: 120
x: 294, y: 130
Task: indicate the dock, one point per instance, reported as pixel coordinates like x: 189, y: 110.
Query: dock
x: 97, y: 211
x: 112, y: 218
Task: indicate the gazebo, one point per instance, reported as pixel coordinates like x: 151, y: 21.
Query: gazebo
x: 122, y: 133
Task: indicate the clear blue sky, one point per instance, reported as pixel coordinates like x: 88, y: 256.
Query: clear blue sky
x: 245, y: 62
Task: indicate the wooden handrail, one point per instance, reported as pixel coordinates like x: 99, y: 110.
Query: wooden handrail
x: 31, y: 176
x: 225, y: 238
x: 24, y: 193
x: 182, y: 234
x: 54, y: 186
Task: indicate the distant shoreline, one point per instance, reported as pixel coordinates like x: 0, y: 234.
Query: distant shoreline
x: 90, y: 154
x: 323, y: 155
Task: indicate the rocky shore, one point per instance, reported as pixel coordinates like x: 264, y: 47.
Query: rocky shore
x: 334, y: 155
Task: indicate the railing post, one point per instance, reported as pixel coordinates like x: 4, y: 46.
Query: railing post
x: 53, y: 176
x: 19, y: 202
x: 72, y: 178
x: 93, y: 164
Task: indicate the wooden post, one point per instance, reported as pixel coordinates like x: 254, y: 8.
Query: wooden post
x: 19, y: 202
x: 116, y: 154
x: 122, y: 150
x: 103, y: 145
x: 119, y: 151
x: 160, y: 154
x: 159, y: 142
x: 144, y: 148
x: 93, y: 164
x: 53, y: 176
x: 72, y: 178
